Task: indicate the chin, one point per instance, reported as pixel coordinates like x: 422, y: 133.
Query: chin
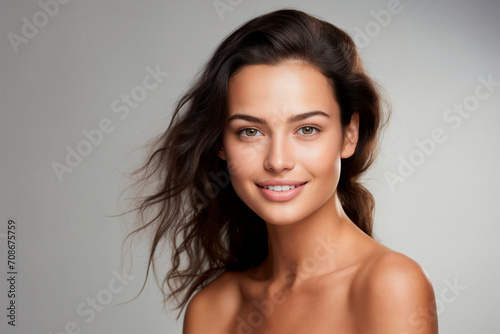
x: 282, y: 216
x: 280, y: 222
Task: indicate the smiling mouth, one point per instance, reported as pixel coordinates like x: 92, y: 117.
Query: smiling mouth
x: 282, y: 187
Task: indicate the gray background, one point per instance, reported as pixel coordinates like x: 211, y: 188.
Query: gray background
x: 64, y: 78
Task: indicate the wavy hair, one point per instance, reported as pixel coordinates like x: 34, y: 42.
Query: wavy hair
x: 193, y: 208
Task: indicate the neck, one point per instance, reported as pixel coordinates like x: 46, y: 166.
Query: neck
x: 308, y: 248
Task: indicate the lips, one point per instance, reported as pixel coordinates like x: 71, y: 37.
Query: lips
x: 281, y: 190
x: 280, y: 182
x: 284, y: 187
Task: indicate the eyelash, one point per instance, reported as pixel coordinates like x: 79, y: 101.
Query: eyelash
x: 315, y: 129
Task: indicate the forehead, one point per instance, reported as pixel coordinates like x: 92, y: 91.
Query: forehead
x: 291, y: 86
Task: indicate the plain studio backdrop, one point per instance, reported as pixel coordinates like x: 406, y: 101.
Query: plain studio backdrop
x: 85, y: 83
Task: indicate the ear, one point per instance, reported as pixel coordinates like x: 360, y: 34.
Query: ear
x: 221, y: 153
x: 351, y: 135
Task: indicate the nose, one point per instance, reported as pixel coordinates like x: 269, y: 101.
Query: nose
x: 280, y: 155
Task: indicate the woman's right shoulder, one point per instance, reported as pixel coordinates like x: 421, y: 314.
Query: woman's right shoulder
x: 214, y: 307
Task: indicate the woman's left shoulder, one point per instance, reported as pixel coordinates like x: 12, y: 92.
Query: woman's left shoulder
x: 393, y: 292
x: 398, y: 273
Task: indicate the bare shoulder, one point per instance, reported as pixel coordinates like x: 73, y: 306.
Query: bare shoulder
x: 213, y: 307
x: 393, y: 294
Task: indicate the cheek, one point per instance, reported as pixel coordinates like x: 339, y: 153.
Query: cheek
x: 322, y: 156
x: 241, y: 170
x: 325, y: 167
x: 322, y: 162
x: 241, y: 159
x: 238, y: 162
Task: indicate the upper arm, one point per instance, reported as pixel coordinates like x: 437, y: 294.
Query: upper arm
x: 210, y: 310
x: 194, y: 311
x: 398, y: 298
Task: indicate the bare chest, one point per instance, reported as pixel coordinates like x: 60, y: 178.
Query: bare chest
x: 322, y: 309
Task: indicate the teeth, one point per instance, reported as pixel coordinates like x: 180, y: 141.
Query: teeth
x: 279, y: 188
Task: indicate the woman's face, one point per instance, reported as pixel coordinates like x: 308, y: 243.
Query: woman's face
x: 283, y: 140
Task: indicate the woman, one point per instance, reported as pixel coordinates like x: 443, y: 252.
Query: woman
x: 258, y: 192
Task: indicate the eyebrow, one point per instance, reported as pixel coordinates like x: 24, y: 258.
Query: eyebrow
x: 292, y: 119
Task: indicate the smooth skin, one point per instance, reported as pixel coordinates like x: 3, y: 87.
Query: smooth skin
x: 323, y: 274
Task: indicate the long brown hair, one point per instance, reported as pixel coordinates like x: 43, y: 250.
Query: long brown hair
x: 193, y: 208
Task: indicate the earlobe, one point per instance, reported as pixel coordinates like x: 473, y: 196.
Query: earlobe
x: 221, y: 153
x: 351, y: 137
